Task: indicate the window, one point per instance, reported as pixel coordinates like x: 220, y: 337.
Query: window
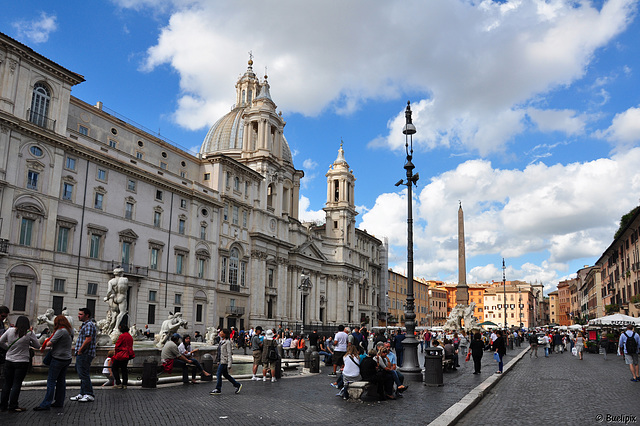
x: 70, y: 163
x: 58, y: 285
x: 159, y: 194
x: 91, y: 304
x: 233, y: 267
x: 207, y: 176
x: 92, y: 289
x: 36, y: 151
x: 83, y: 130
x: 139, y: 155
x: 183, y: 174
x: 181, y: 226
x: 270, y: 277
x: 140, y: 144
x: 32, y: 179
x: 20, y: 298
x: 178, y: 299
x: 201, y: 266
x: 183, y: 203
x: 40, y: 105
x: 225, y: 214
x: 153, y: 294
x: 114, y: 131
x: 203, y: 232
x: 126, y: 252
x: 151, y: 316
x: 235, y: 215
x: 198, y: 312
x: 67, y: 191
x: 113, y: 144
x: 236, y: 183
x: 243, y: 272
x: 163, y: 165
x: 246, y: 188
x: 155, y: 253
x: 63, y: 239
x: 244, y: 218
x: 26, y: 229
x: 128, y: 210
x: 156, y: 219
x: 228, y: 180
x: 97, y: 203
x: 180, y: 264
x: 131, y: 185
x: 94, y: 246
x: 102, y: 175
x: 223, y: 269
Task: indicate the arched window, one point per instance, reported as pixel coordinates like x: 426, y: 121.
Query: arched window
x: 270, y: 194
x: 234, y: 259
x: 40, y: 105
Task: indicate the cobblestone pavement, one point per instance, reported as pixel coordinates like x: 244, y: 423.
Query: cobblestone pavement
x: 300, y: 399
x: 561, y: 390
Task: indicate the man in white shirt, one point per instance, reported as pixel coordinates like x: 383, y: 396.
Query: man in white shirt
x: 340, y: 342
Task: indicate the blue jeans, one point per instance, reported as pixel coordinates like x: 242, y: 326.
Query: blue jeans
x: 83, y: 368
x: 223, y: 371
x: 500, y: 364
x: 328, y: 357
x: 14, y: 373
x: 400, y: 355
x: 56, y: 383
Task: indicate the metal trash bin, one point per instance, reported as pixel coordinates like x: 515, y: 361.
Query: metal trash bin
x: 433, y: 367
x: 149, y: 373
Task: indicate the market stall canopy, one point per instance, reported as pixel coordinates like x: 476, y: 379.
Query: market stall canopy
x: 615, y: 319
x: 488, y: 324
x: 575, y: 327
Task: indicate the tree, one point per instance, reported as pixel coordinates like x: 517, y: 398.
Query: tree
x: 624, y: 221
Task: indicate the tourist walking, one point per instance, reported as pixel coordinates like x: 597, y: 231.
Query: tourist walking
x: 123, y: 353
x: 224, y: 358
x: 256, y: 348
x: 579, y: 345
x: 60, y: 344
x: 629, y: 345
x: 269, y: 356
x: 477, y: 350
x: 499, y: 348
x: 533, y: 342
x: 85, y: 352
x: 16, y: 341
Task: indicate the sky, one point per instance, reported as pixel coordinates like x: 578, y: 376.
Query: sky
x: 527, y: 111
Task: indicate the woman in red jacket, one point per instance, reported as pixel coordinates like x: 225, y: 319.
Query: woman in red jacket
x: 123, y: 353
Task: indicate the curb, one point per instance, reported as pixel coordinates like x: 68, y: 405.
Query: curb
x: 462, y: 407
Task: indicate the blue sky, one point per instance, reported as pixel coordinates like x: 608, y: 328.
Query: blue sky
x: 527, y: 111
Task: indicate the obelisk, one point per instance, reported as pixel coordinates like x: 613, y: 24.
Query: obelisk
x: 462, y: 289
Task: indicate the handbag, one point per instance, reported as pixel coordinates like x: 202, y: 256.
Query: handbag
x: 47, y: 358
x: 167, y: 366
x: 496, y: 357
x: 468, y: 357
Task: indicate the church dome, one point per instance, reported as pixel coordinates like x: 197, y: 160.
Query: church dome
x: 226, y: 134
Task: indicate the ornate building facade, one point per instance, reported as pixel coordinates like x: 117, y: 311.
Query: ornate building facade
x: 215, y: 236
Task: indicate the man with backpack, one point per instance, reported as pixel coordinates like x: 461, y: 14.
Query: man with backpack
x: 629, y: 344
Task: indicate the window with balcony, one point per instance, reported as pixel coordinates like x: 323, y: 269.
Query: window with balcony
x: 39, y: 112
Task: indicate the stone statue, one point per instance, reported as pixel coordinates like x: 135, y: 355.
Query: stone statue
x: 117, y: 300
x: 460, y: 313
x: 210, y: 337
x: 48, y: 317
x: 170, y: 326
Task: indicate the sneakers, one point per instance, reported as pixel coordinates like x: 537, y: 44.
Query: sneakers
x: 239, y: 388
x: 215, y: 392
x: 334, y: 385
x: 273, y: 379
x: 332, y: 374
x: 255, y: 378
x: 634, y: 380
x: 87, y: 398
x: 264, y: 378
x: 77, y: 397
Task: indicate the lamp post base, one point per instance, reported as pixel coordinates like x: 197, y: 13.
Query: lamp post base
x: 411, y: 365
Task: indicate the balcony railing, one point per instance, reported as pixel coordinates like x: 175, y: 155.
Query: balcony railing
x: 4, y: 246
x: 141, y: 271
x: 235, y: 310
x: 234, y: 287
x: 41, y: 120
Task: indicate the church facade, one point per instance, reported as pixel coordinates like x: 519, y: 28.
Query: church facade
x: 215, y: 235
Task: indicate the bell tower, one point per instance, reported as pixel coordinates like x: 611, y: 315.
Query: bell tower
x: 340, y: 207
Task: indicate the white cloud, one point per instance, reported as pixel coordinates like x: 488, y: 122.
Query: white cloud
x: 37, y: 30
x: 307, y: 215
x: 309, y: 164
x: 462, y: 54
x: 566, y: 121
x: 562, y: 211
x: 624, y: 129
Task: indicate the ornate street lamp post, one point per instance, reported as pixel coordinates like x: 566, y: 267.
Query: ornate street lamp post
x: 410, y: 367
x: 504, y: 285
x: 304, y: 287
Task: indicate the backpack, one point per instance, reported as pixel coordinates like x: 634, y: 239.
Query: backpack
x: 631, y: 345
x: 272, y: 354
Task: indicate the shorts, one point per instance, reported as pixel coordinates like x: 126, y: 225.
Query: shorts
x: 257, y: 357
x: 270, y: 365
x: 631, y: 359
x: 338, y: 358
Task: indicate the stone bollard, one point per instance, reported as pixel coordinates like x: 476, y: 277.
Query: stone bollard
x: 307, y: 356
x: 149, y: 373
x: 207, y: 365
x: 314, y: 361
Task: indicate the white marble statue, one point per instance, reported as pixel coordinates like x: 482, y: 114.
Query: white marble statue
x: 117, y: 300
x: 170, y: 326
x: 210, y: 337
x: 458, y: 314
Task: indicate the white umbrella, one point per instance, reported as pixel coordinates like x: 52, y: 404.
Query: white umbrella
x: 575, y: 327
x: 615, y: 319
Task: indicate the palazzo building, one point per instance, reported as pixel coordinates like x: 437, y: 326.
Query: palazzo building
x: 215, y: 235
